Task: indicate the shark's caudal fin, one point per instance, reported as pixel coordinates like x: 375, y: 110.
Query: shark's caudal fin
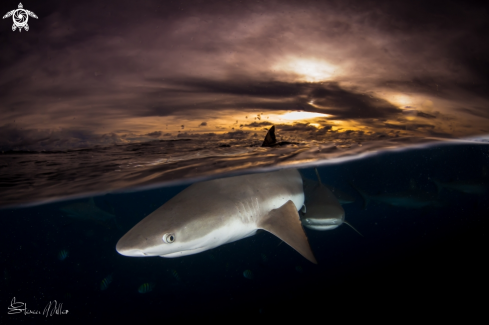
x: 285, y: 223
x: 346, y: 223
x: 319, y: 177
x: 270, y: 138
x: 366, y: 198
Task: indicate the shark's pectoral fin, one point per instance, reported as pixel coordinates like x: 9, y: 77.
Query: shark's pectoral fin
x: 285, y: 223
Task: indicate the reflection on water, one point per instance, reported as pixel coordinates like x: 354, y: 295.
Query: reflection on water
x: 32, y: 177
x: 422, y: 214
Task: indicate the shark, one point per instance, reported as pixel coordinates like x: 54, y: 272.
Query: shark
x: 468, y: 187
x: 212, y: 213
x: 322, y: 210
x: 411, y: 199
x: 90, y: 212
x: 208, y: 214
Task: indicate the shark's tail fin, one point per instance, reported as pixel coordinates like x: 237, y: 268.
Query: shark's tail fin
x: 270, y: 138
x: 347, y: 223
x: 366, y: 198
x: 319, y: 177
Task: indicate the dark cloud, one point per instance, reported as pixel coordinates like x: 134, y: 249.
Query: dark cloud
x: 258, y: 124
x: 105, y: 66
x: 155, y: 134
x: 203, y: 124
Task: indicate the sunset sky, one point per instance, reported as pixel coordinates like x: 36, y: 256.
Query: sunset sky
x: 102, y: 72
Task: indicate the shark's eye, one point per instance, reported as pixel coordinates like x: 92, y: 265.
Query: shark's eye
x: 168, y: 238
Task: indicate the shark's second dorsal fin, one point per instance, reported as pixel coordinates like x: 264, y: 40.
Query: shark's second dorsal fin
x: 285, y: 223
x: 319, y: 177
x: 270, y: 138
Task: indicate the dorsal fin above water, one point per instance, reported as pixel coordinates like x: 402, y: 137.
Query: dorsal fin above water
x: 270, y: 138
x: 285, y: 223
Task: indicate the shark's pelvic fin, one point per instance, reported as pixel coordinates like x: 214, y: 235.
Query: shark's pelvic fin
x: 347, y: 223
x: 319, y: 177
x: 270, y: 138
x: 285, y: 223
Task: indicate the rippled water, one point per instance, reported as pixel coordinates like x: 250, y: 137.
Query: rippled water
x: 34, y: 177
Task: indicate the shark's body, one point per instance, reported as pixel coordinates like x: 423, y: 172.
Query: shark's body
x: 212, y: 213
x: 88, y: 211
x: 469, y: 187
x: 410, y: 200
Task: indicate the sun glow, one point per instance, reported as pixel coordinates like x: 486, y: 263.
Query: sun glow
x: 309, y: 70
x: 299, y: 115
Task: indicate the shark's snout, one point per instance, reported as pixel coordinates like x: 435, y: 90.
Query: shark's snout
x: 130, y: 245
x: 130, y: 252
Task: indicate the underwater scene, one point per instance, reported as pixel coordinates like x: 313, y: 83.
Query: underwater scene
x: 401, y: 224
x: 224, y: 160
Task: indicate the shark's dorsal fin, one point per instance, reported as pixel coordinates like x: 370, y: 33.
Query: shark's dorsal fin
x: 270, y: 139
x: 319, y: 177
x: 285, y: 223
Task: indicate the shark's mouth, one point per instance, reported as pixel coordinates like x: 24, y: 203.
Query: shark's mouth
x: 186, y: 252
x: 322, y: 222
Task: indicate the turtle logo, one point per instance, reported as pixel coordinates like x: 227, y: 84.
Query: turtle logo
x: 20, y: 16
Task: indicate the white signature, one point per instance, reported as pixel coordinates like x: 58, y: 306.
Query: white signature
x: 52, y: 308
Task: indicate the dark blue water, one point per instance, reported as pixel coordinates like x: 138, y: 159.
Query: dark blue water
x: 413, y: 262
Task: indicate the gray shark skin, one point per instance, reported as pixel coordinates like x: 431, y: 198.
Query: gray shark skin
x: 212, y: 213
x: 88, y: 211
x: 410, y: 200
x: 468, y: 187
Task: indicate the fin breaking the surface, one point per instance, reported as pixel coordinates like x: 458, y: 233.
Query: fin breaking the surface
x: 285, y: 223
x: 270, y: 138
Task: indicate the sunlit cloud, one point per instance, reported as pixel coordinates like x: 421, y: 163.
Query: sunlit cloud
x: 300, y: 115
x: 307, y: 70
